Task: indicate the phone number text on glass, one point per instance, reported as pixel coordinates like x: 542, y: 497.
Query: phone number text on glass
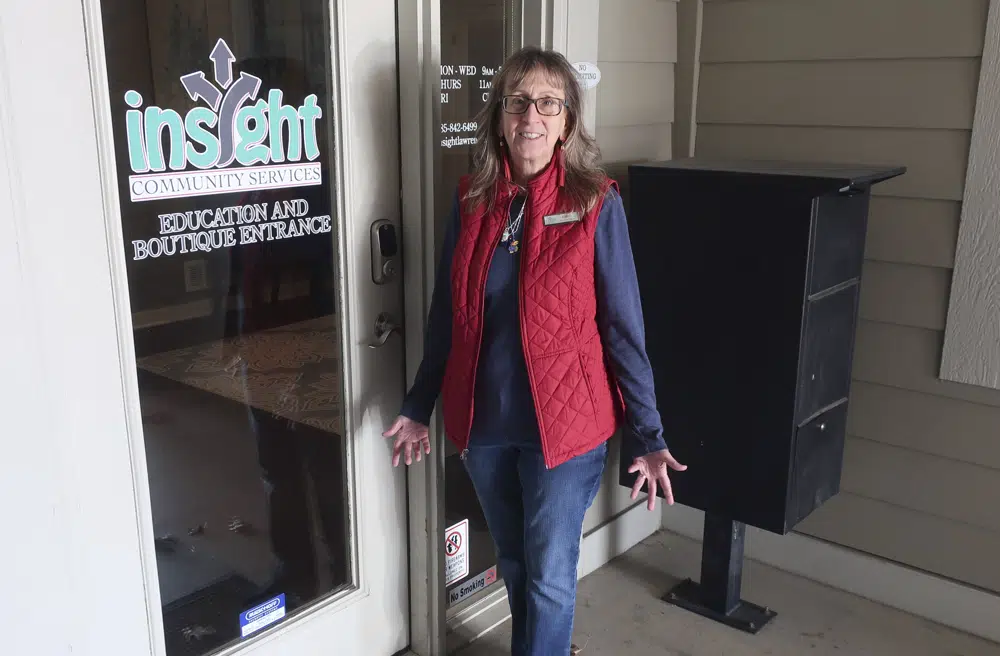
x: 458, y: 127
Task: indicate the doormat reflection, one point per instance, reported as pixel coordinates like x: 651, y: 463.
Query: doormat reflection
x: 294, y: 371
x: 209, y: 618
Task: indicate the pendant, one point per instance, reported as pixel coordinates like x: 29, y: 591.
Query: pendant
x: 513, y: 247
x: 506, y: 235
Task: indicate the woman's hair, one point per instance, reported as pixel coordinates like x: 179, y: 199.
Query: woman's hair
x: 584, y: 177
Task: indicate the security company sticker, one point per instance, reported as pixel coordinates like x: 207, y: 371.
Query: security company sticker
x: 473, y: 585
x: 261, y: 616
x: 456, y: 552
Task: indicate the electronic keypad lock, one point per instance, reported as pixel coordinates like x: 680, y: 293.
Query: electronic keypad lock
x: 385, y: 252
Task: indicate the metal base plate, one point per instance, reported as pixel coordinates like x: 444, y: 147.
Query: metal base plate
x: 747, y: 617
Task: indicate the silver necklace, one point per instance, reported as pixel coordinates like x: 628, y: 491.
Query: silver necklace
x: 511, y: 229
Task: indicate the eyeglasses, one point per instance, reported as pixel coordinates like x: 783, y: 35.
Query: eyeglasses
x: 544, y: 106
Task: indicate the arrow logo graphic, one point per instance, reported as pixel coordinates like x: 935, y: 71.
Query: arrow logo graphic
x: 197, y: 86
x: 222, y: 57
x: 245, y: 87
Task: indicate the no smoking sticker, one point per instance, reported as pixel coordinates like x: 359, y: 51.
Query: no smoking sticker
x: 473, y: 586
x: 456, y: 552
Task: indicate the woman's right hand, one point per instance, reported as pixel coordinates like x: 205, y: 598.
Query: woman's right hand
x: 411, y: 437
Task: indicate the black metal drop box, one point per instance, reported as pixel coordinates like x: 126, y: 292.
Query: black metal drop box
x: 750, y: 275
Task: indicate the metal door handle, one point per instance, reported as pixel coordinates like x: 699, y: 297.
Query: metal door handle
x: 384, y: 327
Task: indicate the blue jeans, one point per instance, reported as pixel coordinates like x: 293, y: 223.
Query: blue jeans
x: 535, y: 517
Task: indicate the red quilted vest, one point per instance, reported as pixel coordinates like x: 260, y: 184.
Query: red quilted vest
x: 577, y: 402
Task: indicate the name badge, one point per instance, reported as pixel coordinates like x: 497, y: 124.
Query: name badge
x: 559, y: 219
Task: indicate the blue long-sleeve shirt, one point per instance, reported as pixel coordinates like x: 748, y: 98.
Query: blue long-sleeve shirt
x: 504, y: 410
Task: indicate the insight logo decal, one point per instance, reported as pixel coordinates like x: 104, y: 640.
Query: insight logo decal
x: 228, y: 129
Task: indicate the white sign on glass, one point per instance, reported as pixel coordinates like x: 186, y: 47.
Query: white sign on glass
x: 588, y: 74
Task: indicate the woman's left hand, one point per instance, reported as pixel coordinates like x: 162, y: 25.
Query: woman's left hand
x: 652, y: 468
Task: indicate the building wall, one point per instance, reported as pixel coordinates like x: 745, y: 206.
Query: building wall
x: 880, y: 82
x: 636, y: 53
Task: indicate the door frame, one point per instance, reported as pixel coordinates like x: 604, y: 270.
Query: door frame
x: 102, y: 548
x: 418, y: 37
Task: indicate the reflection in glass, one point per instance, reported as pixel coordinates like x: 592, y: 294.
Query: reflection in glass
x: 476, y: 38
x: 223, y: 146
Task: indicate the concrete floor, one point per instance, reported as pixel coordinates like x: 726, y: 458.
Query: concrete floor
x: 619, y: 613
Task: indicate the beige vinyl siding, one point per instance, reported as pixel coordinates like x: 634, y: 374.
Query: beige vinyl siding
x: 821, y: 30
x: 905, y: 294
x: 879, y: 82
x: 637, y: 53
x: 935, y: 158
x: 913, y: 230
x: 944, y: 546
x: 825, y: 93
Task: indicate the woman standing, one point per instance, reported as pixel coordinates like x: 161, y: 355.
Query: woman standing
x: 535, y: 340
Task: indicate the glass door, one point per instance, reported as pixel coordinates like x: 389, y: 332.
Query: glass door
x: 255, y: 148
x: 476, y: 37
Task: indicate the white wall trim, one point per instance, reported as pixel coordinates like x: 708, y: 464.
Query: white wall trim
x: 558, y: 27
x: 689, y: 28
x: 616, y: 536
x: 598, y: 548
x: 924, y: 595
x: 971, y: 351
x: 575, y: 28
